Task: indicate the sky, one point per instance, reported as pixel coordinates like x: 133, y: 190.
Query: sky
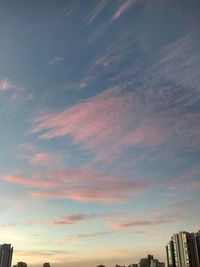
x: 99, y: 128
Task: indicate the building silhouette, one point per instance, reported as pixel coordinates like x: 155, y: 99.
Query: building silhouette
x: 20, y: 264
x: 150, y: 262
x: 183, y: 250
x: 6, y: 252
x: 156, y: 263
x: 145, y: 262
x: 46, y: 264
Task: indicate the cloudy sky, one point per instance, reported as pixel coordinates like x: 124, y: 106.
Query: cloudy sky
x: 99, y: 128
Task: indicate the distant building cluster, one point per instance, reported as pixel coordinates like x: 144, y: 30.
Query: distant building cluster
x: 144, y: 262
x: 183, y: 250
x: 150, y: 262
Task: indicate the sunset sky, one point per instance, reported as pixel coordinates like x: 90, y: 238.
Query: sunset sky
x: 99, y: 128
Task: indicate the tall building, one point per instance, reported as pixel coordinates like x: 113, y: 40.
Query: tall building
x: 6, y: 252
x: 183, y: 250
x: 170, y: 254
x: 145, y: 262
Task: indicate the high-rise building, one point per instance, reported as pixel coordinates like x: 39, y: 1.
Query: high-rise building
x: 46, y: 264
x: 6, y: 252
x: 170, y: 254
x: 183, y: 250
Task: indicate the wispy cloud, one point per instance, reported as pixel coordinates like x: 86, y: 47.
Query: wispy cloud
x: 115, y: 120
x: 30, y: 182
x: 98, y: 234
x: 116, y: 192
x: 32, y: 154
x: 74, y: 218
x: 182, y: 183
x: 56, y: 60
x: 6, y: 85
x: 5, y: 225
x: 159, y: 218
x: 99, y: 7
x: 81, y: 185
x: 70, y: 7
x: 96, y: 34
x: 14, y: 94
x: 123, y: 8
x: 99, y: 124
x: 26, y: 147
x: 43, y: 158
x: 73, y: 237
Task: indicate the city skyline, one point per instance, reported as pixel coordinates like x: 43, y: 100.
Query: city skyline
x: 183, y: 250
x: 6, y: 254
x: 99, y: 128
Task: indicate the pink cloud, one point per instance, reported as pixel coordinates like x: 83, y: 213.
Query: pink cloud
x: 109, y: 123
x: 81, y: 185
x: 130, y: 224
x: 81, y: 176
x: 195, y: 185
x: 149, y: 116
x: 114, y: 192
x: 41, y: 158
x: 71, y: 219
x: 158, y: 218
x: 16, y: 179
x: 113, y: 121
x: 16, y: 94
x: 5, y: 85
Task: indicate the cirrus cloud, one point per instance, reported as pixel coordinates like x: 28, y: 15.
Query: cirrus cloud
x: 158, y: 218
x: 81, y: 185
x: 116, y: 120
x: 30, y: 182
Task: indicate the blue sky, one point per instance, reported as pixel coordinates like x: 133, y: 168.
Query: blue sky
x: 100, y: 133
